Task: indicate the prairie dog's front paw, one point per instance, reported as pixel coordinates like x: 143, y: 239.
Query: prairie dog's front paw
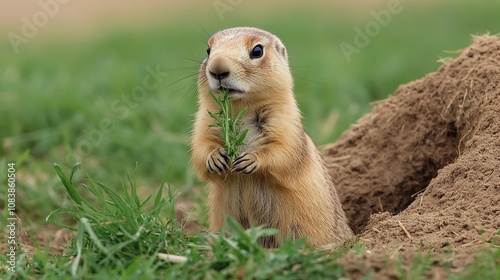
x: 218, y: 161
x: 246, y: 163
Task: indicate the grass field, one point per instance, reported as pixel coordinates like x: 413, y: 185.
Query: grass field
x: 121, y: 103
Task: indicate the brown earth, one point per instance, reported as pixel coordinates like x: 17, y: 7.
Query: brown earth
x: 426, y: 161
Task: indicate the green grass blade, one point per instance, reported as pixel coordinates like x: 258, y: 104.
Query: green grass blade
x: 79, y: 248
x: 23, y: 157
x: 159, y: 194
x: 125, y: 191
x: 88, y: 228
x: 71, y: 211
x: 242, y: 112
x: 74, y: 195
x: 241, y: 139
x: 141, y: 204
x: 171, y: 199
x: 217, y: 100
x: 73, y: 170
x: 133, y: 187
x: 239, y: 230
x: 97, y: 194
x: 116, y: 200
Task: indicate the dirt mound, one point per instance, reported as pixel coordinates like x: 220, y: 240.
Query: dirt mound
x: 428, y: 158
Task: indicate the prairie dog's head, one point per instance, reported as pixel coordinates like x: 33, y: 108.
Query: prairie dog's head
x: 246, y: 61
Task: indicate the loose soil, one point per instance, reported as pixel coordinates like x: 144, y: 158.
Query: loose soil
x: 422, y: 171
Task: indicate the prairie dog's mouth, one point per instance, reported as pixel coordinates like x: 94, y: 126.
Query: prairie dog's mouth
x: 230, y: 86
x: 230, y: 90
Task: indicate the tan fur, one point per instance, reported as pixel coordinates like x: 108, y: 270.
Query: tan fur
x: 287, y: 186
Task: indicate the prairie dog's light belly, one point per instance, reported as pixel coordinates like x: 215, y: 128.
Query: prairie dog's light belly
x: 254, y: 135
x: 252, y: 199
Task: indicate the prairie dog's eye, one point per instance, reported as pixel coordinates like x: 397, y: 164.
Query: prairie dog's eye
x: 208, y: 51
x: 257, y: 52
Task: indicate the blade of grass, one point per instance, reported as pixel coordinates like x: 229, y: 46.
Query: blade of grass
x: 88, y: 228
x: 62, y: 210
x: 158, y: 196
x: 74, y: 195
x: 73, y: 170
x: 23, y: 157
x: 124, y: 190
x: 117, y: 201
x: 239, y: 230
x: 79, y: 248
x: 133, y: 187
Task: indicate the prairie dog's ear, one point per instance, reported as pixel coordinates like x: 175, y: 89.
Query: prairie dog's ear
x: 281, y: 51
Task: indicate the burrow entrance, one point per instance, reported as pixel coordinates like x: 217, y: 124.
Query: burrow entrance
x: 390, y: 156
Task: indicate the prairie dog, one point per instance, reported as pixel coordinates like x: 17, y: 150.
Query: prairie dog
x: 279, y: 180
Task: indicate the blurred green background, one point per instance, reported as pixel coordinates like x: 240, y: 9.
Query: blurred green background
x: 76, y: 84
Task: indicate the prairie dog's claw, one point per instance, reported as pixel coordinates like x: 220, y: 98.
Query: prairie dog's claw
x: 218, y: 161
x: 246, y: 163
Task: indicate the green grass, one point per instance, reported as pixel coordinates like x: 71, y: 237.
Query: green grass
x: 118, y: 231
x: 118, y: 235
x: 67, y: 101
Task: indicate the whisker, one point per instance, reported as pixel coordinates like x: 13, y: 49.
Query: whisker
x: 269, y: 26
x: 177, y: 81
x: 306, y: 79
x: 195, y: 60
x: 191, y: 88
x: 206, y: 32
x: 191, y: 68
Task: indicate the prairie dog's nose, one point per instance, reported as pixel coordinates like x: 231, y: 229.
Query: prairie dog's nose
x: 219, y: 75
x: 219, y: 68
